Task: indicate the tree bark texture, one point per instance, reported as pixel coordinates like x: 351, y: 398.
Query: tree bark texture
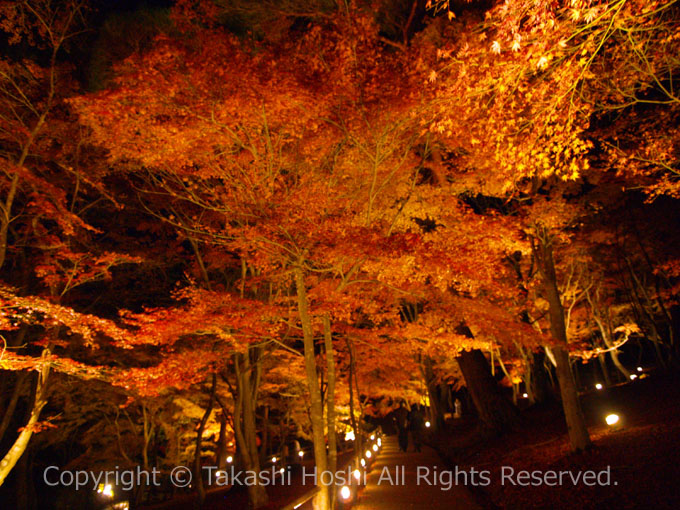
x: 578, y: 433
x: 496, y: 412
x: 198, y: 479
x: 19, y: 447
x: 247, y: 381
x: 321, y: 500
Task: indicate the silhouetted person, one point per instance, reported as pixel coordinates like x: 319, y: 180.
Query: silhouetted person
x: 417, y: 422
x: 401, y: 417
x: 459, y: 409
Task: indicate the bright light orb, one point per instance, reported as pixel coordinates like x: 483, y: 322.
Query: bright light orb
x: 230, y: 459
x: 349, y: 436
x: 281, y: 470
x: 639, y: 369
x: 379, y: 442
x: 372, y: 437
x: 525, y: 395
x: 428, y: 424
x: 598, y: 386
x: 105, y: 490
x: 274, y: 460
x: 357, y: 474
x: 633, y: 377
x: 345, y: 493
x: 375, y: 447
x: 368, y: 454
x: 612, y: 419
x: 301, y: 453
x: 363, y: 463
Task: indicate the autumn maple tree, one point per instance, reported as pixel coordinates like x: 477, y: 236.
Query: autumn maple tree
x: 260, y: 221
x: 35, y: 211
x: 547, y: 76
x: 283, y: 218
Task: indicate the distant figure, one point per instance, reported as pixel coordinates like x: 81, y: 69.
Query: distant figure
x: 417, y: 424
x: 459, y: 409
x: 401, y: 418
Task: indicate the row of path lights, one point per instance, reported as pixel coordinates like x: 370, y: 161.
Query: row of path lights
x: 613, y: 420
x: 282, y: 469
x: 600, y: 386
x: 359, y: 467
x: 106, y: 491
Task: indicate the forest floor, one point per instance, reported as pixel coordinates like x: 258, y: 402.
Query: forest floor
x: 641, y: 454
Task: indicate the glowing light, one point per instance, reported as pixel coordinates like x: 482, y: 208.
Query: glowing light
x: 363, y: 463
x: 281, y: 470
x: 123, y: 505
x: 301, y: 453
x: 357, y: 474
x: 379, y: 442
x: 372, y: 437
x: 633, y: 377
x: 105, y: 490
x: 598, y: 386
x: 612, y: 419
x: 525, y: 395
x: 375, y: 447
x: 349, y: 436
x: 274, y: 460
x: 230, y: 459
x: 345, y: 493
x: 639, y: 369
x: 368, y: 454
x: 428, y: 424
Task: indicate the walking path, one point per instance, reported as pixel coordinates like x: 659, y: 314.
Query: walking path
x: 394, y: 484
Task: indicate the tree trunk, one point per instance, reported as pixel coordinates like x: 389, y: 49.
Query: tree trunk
x: 578, y: 433
x: 495, y: 411
x: 605, y: 370
x: 148, y: 429
x: 198, y: 478
x: 221, y: 455
x: 645, y: 316
x: 6, y: 216
x: 147, y: 433
x: 244, y: 423
x: 606, y: 332
x: 264, y: 448
x: 539, y: 377
x: 119, y: 439
x: 321, y: 500
x: 436, y: 413
x: 617, y: 363
x: 535, y: 378
x: 358, y: 446
x: 14, y: 454
x: 576, y: 373
x: 330, y: 404
x: 515, y: 386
